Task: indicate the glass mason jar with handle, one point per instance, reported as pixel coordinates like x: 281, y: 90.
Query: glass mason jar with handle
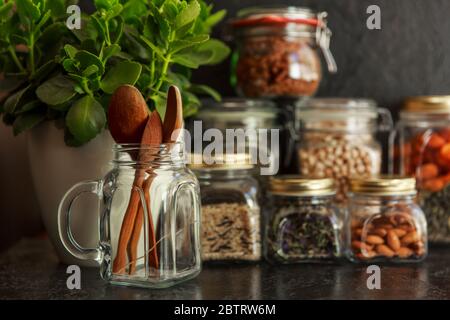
x: 149, y: 218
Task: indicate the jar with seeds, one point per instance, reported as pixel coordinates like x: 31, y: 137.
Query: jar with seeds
x: 304, y: 224
x: 338, y: 139
x: 384, y: 223
x: 230, y: 211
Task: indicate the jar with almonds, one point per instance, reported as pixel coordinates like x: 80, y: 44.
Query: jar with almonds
x: 303, y: 222
x: 338, y: 139
x: 278, y: 51
x: 384, y: 222
x: 231, y: 228
x: 420, y: 147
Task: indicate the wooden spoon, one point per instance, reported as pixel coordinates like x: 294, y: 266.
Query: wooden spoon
x: 127, y: 114
x: 173, y: 122
x: 152, y: 135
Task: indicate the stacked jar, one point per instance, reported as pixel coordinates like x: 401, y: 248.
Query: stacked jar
x: 231, y: 227
x: 304, y: 225
x: 338, y: 140
x: 277, y: 51
x: 420, y: 147
x: 384, y: 221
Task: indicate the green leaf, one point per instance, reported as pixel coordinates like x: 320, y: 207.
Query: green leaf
x: 192, y: 59
x: 89, y: 71
x: 70, y: 65
x: 111, y: 51
x: 29, y: 106
x: 57, y: 8
x: 56, y: 91
x: 89, y: 29
x: 14, y: 100
x: 43, y: 21
x: 170, y: 10
x: 28, y: 9
x: 125, y: 72
x: 5, y: 9
x: 153, y: 47
x: 203, y: 89
x: 133, y: 9
x: 71, y: 51
x: 87, y: 59
x: 52, y: 34
x: 219, y: 51
x: 189, y: 14
x: 44, y: 70
x: 85, y: 119
x: 105, y: 4
x: 178, y: 45
x: 27, y: 121
x: 215, y: 18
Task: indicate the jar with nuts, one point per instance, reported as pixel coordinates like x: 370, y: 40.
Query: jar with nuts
x: 277, y: 51
x: 384, y: 221
x: 304, y: 224
x: 231, y: 228
x: 338, y: 139
x: 420, y: 147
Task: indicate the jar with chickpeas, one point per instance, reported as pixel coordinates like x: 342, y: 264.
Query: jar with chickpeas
x: 420, y: 147
x: 338, y: 140
x: 384, y: 222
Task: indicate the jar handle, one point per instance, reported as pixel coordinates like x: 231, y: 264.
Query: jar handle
x: 64, y: 218
x: 385, y: 121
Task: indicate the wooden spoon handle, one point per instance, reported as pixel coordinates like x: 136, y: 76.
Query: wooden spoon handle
x: 132, y: 246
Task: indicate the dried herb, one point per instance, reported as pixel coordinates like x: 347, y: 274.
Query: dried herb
x: 436, y: 206
x: 301, y: 233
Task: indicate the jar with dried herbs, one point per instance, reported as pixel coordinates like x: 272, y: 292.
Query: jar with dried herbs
x: 278, y: 51
x: 231, y: 228
x: 304, y: 224
x: 384, y: 223
x: 420, y: 147
x: 338, y: 139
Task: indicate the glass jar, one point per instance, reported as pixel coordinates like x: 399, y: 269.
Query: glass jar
x: 230, y: 209
x: 420, y: 147
x: 384, y: 221
x: 278, y: 51
x: 338, y: 139
x: 149, y: 218
x: 303, y: 223
x: 263, y: 123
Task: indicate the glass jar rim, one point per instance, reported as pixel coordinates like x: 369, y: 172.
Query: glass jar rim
x: 224, y: 162
x: 301, y: 186
x: 234, y: 108
x: 384, y: 185
x: 132, y: 153
x: 275, y: 15
x: 337, y: 109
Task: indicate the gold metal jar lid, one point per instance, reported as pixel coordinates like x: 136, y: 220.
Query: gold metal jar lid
x: 384, y: 186
x: 301, y: 186
x: 233, y: 161
x: 432, y: 104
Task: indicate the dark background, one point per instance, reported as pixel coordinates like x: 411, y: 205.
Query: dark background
x: 409, y: 56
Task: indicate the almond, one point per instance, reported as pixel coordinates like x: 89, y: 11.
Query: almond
x: 379, y: 232
x: 399, y: 232
x: 361, y: 245
x: 385, y: 251
x: 393, y: 240
x: 374, y: 239
x: 404, y: 252
x: 409, y: 238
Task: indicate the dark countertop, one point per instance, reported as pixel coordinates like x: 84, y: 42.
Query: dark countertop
x: 30, y: 270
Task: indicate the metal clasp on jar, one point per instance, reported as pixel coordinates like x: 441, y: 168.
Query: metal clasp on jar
x: 323, y: 36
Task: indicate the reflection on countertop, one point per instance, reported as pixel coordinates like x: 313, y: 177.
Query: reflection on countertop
x: 30, y: 270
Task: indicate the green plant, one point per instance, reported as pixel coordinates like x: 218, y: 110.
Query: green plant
x: 147, y: 43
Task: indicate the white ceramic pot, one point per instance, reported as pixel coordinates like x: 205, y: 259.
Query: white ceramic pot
x: 55, y: 168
